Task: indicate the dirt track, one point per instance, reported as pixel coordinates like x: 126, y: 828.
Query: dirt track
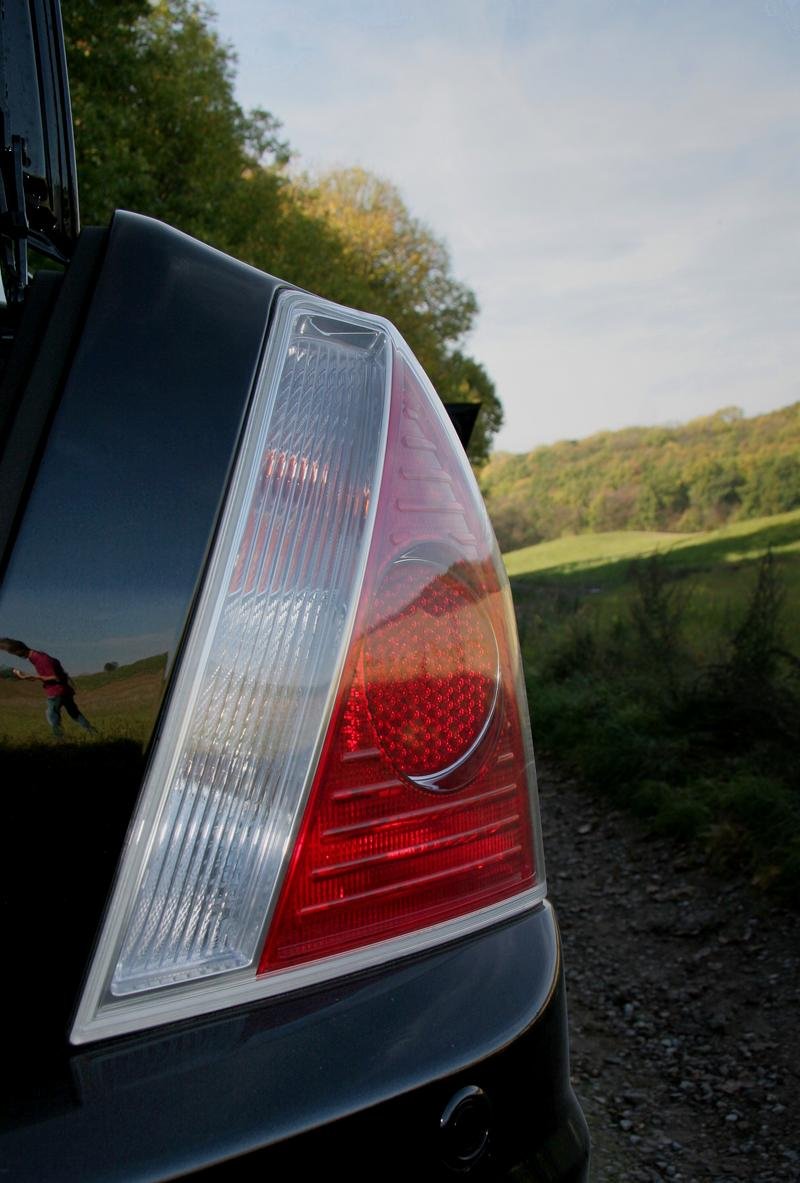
x: 684, y: 996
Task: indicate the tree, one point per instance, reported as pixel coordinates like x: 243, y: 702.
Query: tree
x: 397, y: 267
x: 157, y: 127
x: 159, y: 131
x: 688, y: 477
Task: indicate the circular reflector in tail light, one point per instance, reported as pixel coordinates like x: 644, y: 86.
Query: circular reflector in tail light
x: 431, y: 672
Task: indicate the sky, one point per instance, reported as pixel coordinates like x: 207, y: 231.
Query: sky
x: 617, y: 180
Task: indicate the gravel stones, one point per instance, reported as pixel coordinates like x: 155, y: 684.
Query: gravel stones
x: 684, y: 999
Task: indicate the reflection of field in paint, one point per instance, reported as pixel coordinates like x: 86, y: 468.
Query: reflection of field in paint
x: 121, y: 704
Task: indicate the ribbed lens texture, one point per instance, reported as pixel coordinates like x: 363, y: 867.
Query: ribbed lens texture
x: 422, y: 809
x: 430, y: 668
x: 265, y: 683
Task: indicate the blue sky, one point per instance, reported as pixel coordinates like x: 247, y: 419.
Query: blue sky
x: 618, y: 181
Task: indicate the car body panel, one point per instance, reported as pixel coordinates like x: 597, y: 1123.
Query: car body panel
x: 169, y: 1102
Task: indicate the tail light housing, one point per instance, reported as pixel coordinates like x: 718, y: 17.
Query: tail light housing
x: 344, y: 772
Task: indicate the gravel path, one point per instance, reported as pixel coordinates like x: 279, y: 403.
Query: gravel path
x: 684, y: 997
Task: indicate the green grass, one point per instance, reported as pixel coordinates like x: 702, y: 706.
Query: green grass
x: 582, y: 552
x: 637, y: 680
x: 731, y: 544
x: 715, y: 569
x: 121, y: 704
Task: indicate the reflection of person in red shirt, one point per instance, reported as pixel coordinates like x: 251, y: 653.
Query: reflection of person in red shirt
x: 58, y: 688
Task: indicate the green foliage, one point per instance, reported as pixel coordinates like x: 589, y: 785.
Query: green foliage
x: 657, y: 614
x: 712, y: 471
x: 158, y: 131
x: 684, y: 709
x: 156, y: 124
x: 402, y: 268
x: 395, y: 266
x: 751, y: 697
x: 756, y: 644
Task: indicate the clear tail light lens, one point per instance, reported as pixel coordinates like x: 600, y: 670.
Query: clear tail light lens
x: 344, y: 771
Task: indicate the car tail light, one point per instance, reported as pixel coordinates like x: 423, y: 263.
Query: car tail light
x: 344, y: 772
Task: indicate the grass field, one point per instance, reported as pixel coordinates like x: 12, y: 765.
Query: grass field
x: 120, y: 703
x: 665, y: 669
x: 742, y: 541
x: 716, y: 570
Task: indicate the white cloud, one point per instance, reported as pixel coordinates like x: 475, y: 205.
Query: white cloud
x: 618, y: 184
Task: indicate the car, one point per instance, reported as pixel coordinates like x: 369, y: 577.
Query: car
x: 273, y: 883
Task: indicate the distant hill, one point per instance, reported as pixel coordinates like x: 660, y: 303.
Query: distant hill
x: 696, y: 476
x: 120, y: 673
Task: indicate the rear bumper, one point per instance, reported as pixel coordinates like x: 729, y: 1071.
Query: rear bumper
x: 359, y: 1074
x: 512, y: 1116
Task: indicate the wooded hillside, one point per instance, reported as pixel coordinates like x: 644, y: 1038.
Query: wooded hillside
x: 695, y: 476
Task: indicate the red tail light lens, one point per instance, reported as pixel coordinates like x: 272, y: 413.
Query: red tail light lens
x: 421, y: 807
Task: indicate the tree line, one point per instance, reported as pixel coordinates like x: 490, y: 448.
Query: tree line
x: 158, y: 130
x: 696, y: 476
